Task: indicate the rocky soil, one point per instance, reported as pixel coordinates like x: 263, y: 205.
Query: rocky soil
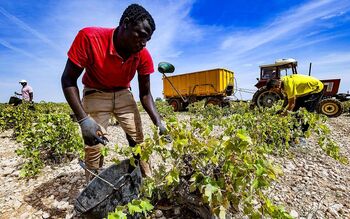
x: 313, y: 185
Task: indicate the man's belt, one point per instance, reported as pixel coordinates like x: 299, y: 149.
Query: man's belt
x: 115, y: 89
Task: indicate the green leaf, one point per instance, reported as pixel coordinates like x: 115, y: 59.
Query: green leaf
x: 104, y: 151
x: 209, y: 190
x: 137, y: 149
x: 134, y: 208
x: 255, y: 183
x: 193, y: 187
x: 146, y: 206
x: 260, y: 170
x: 256, y: 215
x: 244, y: 136
x: 117, y: 215
x: 169, y: 179
x: 132, y: 161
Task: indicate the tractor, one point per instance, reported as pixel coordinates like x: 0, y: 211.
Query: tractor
x: 329, y: 105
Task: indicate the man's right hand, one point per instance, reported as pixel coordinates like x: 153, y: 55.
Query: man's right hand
x: 163, y: 131
x: 91, y: 131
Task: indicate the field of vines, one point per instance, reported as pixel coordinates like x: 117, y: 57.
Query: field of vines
x: 218, y: 165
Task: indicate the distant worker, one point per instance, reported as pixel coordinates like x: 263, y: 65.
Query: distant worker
x: 111, y: 57
x: 301, y: 91
x: 26, y: 91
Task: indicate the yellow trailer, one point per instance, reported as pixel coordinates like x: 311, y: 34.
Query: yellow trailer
x: 212, y: 85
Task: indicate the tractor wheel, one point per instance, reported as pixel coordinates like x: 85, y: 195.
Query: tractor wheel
x: 330, y: 107
x: 213, y: 101
x: 176, y: 104
x: 266, y: 98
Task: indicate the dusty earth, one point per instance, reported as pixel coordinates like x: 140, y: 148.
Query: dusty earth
x: 313, y: 185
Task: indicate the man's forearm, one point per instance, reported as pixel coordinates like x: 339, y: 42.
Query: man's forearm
x: 291, y: 104
x: 148, y: 104
x: 70, y: 88
x: 73, y: 99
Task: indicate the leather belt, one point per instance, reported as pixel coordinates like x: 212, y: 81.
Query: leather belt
x: 89, y: 92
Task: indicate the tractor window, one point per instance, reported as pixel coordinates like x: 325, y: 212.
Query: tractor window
x: 267, y: 73
x: 328, y: 86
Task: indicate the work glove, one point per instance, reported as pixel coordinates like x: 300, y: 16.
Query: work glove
x: 91, y: 131
x: 163, y: 131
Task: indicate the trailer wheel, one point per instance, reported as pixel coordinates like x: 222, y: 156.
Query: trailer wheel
x: 176, y: 104
x: 330, y: 107
x: 266, y: 98
x: 213, y: 101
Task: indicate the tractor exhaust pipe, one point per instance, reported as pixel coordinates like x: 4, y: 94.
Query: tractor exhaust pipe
x: 310, y: 68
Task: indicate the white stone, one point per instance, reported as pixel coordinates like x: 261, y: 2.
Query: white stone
x: 15, y: 173
x: 294, y: 213
x: 17, y: 204
x: 158, y: 213
x: 46, y: 215
x: 333, y: 212
x: 25, y: 215
x: 337, y: 207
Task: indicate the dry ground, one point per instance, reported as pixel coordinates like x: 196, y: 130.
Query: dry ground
x: 313, y: 184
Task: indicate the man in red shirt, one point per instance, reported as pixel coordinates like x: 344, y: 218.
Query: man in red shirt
x: 111, y: 58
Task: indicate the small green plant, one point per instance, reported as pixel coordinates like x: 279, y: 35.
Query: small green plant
x: 47, y: 133
x: 346, y: 105
x: 221, y: 157
x: 142, y: 206
x: 164, y: 109
x: 53, y: 138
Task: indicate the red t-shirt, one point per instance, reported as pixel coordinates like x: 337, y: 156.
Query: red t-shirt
x: 93, y: 49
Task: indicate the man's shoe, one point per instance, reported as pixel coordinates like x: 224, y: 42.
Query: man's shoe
x: 145, y: 169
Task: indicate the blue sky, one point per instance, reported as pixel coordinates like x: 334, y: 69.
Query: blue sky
x: 194, y: 35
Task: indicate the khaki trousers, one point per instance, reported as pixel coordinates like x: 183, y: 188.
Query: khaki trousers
x: 101, y: 106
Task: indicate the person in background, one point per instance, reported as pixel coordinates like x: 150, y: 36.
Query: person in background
x: 26, y: 91
x: 111, y: 57
x: 301, y: 91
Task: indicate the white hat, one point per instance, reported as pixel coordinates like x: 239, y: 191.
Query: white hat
x: 23, y: 81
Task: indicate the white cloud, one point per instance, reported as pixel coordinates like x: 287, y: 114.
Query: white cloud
x: 338, y: 14
x: 302, y: 32
x: 285, y: 26
x: 18, y: 50
x: 22, y: 25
